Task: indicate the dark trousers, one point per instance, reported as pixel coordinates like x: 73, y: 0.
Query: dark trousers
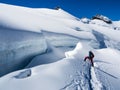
x: 91, y: 60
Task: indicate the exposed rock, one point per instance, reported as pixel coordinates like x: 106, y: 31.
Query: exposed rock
x: 103, y: 18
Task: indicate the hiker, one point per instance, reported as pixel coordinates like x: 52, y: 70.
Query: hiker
x: 90, y: 57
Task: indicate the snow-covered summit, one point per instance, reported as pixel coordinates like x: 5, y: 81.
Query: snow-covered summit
x: 31, y: 19
x: 42, y: 42
x: 85, y: 20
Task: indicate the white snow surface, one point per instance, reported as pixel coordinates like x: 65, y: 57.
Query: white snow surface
x: 49, y: 47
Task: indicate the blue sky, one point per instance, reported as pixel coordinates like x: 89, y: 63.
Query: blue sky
x: 79, y: 8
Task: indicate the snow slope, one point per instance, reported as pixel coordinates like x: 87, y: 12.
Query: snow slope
x: 45, y: 43
x: 68, y: 73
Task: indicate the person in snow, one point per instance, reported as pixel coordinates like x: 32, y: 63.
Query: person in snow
x: 90, y: 57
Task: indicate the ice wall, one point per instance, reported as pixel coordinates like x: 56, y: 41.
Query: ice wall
x: 18, y: 47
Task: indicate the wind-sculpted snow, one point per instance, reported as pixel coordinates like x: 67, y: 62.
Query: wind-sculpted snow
x: 100, y: 39
x: 41, y: 42
x: 96, y: 84
x: 57, y: 45
x: 71, y: 73
x: 21, y: 46
x: 61, y: 40
x: 17, y: 48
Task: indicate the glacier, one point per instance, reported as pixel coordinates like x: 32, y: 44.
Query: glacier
x: 44, y: 49
x: 17, y: 48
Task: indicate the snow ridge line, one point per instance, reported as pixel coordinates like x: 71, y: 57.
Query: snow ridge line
x: 95, y: 83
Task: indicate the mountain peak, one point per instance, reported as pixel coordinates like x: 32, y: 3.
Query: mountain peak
x: 103, y: 18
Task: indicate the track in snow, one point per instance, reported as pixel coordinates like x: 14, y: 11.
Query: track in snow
x: 84, y: 80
